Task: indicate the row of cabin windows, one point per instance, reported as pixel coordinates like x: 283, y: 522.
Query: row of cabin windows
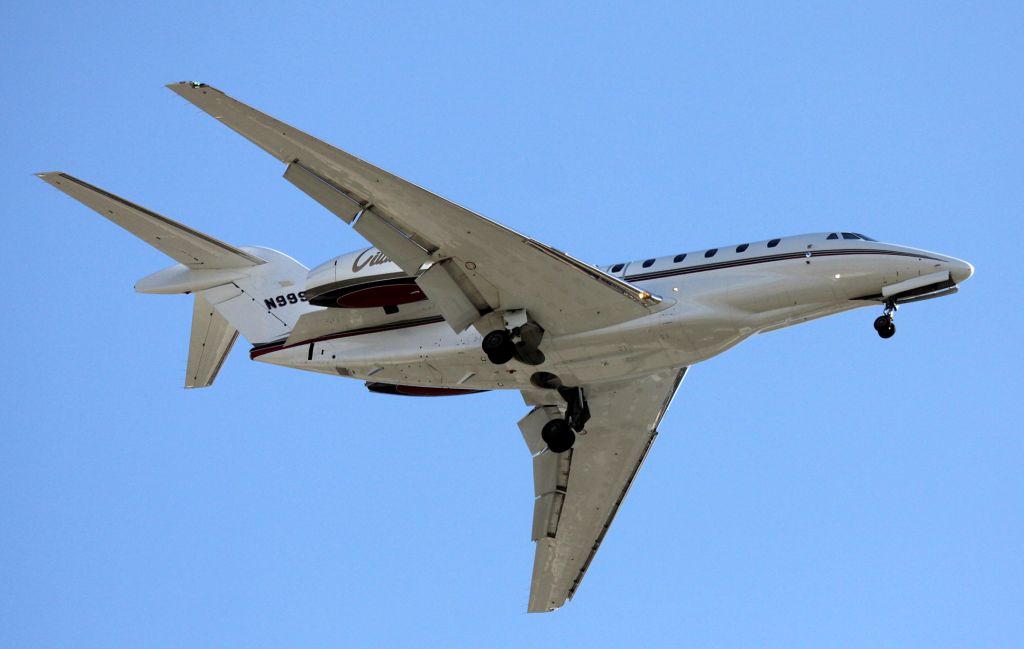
x: 849, y: 235
x: 743, y: 248
x: 708, y: 255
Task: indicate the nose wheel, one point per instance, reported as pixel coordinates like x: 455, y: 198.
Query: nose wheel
x: 884, y: 324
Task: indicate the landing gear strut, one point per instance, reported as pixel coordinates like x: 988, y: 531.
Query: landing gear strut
x: 884, y: 325
x: 560, y: 434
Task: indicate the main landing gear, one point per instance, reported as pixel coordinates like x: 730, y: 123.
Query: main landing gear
x: 560, y: 434
x: 884, y: 325
x: 502, y: 345
x: 499, y: 347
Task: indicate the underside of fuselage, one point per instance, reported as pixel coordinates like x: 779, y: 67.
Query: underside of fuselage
x: 716, y: 302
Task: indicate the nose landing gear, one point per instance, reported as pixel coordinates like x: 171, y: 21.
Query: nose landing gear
x: 884, y: 325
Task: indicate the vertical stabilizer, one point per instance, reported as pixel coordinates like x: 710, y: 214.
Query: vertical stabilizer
x: 211, y: 342
x: 255, y: 292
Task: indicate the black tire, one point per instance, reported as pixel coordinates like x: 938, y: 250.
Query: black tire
x: 882, y: 323
x: 499, y: 347
x: 558, y: 436
x: 889, y: 331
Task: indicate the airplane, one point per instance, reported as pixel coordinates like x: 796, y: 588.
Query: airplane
x: 447, y: 302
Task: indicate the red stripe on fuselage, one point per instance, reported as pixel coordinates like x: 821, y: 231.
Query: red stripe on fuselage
x: 276, y: 347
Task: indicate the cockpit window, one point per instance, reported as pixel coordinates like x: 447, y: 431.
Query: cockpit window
x: 617, y: 267
x: 832, y: 236
x: 850, y: 235
x: 773, y: 243
x: 865, y: 238
x: 679, y: 258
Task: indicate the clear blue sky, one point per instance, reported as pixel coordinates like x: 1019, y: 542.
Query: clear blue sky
x: 813, y: 487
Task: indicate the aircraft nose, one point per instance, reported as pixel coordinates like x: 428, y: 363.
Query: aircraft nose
x: 960, y: 270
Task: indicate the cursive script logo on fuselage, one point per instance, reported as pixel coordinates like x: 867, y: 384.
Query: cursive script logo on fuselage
x: 362, y: 261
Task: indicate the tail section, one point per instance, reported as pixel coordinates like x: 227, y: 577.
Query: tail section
x: 266, y: 301
x: 257, y: 292
x: 210, y: 343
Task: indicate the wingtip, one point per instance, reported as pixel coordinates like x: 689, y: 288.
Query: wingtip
x: 46, y: 176
x: 184, y: 87
x: 186, y: 84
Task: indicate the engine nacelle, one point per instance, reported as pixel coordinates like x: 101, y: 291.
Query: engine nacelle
x: 359, y: 280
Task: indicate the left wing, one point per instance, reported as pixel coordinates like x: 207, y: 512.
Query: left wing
x: 578, y: 492
x: 467, y: 265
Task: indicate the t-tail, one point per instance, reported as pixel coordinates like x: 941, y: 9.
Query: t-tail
x: 255, y: 292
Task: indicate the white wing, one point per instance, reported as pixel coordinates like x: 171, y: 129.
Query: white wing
x: 579, y: 492
x: 467, y: 265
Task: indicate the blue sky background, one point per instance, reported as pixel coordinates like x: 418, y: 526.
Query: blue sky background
x: 813, y: 487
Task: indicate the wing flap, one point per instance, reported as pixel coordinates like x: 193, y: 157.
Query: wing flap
x: 325, y: 192
x: 577, y: 297
x: 179, y: 242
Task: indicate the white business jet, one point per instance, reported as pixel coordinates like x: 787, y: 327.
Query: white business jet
x: 447, y: 302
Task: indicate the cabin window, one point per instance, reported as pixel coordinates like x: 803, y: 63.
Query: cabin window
x: 850, y: 235
x: 773, y: 243
x: 832, y: 236
x: 711, y: 253
x: 865, y: 238
x: 679, y: 258
x: 742, y: 247
x: 617, y: 267
x: 648, y: 263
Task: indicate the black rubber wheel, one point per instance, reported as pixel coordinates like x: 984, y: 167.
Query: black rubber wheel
x: 558, y: 436
x: 882, y: 323
x: 499, y: 347
x: 889, y: 331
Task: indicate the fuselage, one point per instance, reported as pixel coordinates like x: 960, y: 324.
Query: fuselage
x: 716, y: 298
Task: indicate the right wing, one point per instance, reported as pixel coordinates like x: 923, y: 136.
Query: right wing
x: 179, y: 242
x: 579, y: 492
x: 467, y: 265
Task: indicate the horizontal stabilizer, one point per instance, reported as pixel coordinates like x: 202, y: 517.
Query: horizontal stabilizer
x: 179, y: 242
x: 211, y: 341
